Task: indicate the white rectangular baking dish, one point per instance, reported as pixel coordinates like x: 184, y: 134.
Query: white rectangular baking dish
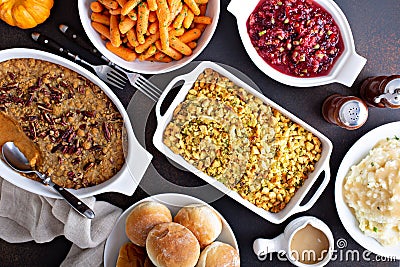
x: 294, y: 205
x: 137, y: 159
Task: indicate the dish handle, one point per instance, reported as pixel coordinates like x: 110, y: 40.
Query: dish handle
x: 319, y: 191
x: 350, y: 69
x: 235, y: 6
x: 137, y: 160
x: 262, y: 246
x: 166, y: 91
x: 241, y: 9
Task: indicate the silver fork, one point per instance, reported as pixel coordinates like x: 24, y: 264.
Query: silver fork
x: 140, y: 83
x: 117, y: 77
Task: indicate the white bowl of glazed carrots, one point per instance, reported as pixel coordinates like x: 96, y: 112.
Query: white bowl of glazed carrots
x: 149, y: 36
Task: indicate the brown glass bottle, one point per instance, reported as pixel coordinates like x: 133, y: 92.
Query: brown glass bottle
x: 381, y: 91
x: 348, y: 112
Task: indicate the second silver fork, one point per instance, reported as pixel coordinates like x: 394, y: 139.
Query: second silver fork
x: 142, y: 84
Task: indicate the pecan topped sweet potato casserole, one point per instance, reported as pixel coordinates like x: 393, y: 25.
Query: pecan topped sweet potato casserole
x: 221, y: 125
x: 76, y: 127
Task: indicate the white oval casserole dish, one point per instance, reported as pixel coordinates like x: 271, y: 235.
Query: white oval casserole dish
x: 136, y: 157
x: 294, y: 205
x: 346, y: 67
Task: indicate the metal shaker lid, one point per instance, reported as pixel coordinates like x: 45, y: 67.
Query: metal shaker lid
x: 391, y: 93
x: 353, y: 113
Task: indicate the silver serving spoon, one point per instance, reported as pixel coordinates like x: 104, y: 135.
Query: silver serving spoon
x: 18, y: 162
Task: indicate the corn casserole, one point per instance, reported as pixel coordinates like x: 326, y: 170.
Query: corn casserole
x: 220, y: 125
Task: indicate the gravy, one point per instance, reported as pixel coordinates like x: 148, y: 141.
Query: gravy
x: 309, y: 245
x: 10, y: 131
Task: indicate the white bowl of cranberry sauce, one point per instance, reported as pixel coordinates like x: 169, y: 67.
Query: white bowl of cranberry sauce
x: 300, y: 43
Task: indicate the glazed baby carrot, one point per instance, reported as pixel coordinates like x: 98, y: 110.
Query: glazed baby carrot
x: 190, y: 35
x: 122, y: 52
x: 203, y: 9
x: 176, y: 32
x: 161, y: 57
x: 148, y: 42
x: 192, y: 45
x: 175, y: 8
x: 152, y: 5
x: 100, y: 28
x: 129, y: 6
x: 163, y: 13
x: 96, y: 7
x: 169, y: 51
x: 180, y: 46
x: 148, y: 53
x: 152, y: 16
x: 140, y: 37
x: 163, y: 29
x: 193, y: 6
x: 132, y: 15
x: 110, y: 4
x: 126, y: 24
x: 180, y: 17
x: 132, y: 40
x: 143, y: 18
x: 100, y: 18
x: 187, y: 21
x: 115, y: 36
x: 202, y: 20
x: 153, y: 27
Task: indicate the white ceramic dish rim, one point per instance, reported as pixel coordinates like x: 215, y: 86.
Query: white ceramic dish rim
x: 125, y: 181
x: 294, y: 205
x: 174, y: 202
x: 346, y: 68
x: 147, y: 67
x: 355, y: 154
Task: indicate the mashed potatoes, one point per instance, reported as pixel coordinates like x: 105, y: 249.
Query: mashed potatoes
x: 372, y: 190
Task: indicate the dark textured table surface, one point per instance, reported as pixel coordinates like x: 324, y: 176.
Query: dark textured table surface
x: 375, y: 26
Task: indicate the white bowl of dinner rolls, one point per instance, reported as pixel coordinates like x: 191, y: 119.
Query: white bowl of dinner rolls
x: 146, y: 38
x: 169, y: 230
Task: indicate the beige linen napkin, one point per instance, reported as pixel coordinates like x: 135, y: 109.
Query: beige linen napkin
x: 25, y: 216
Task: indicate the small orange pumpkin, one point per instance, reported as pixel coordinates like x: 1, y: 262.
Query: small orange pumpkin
x: 25, y: 13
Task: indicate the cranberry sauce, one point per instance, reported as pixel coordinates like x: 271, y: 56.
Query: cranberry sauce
x: 296, y: 37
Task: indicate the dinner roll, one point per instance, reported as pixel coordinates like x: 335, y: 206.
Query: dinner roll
x: 131, y: 255
x: 143, y: 218
x: 202, y: 220
x: 219, y: 254
x: 172, y: 245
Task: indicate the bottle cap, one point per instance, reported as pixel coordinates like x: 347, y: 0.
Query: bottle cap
x: 353, y: 113
x: 391, y: 93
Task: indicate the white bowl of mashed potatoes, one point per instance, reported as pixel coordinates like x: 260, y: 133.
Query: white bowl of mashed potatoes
x: 367, y: 190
